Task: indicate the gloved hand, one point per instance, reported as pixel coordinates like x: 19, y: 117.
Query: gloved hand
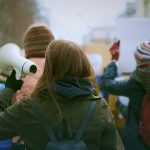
x: 12, y: 82
x: 115, y: 50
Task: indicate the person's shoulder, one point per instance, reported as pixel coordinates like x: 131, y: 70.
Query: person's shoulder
x: 135, y: 82
x: 24, y: 107
x: 25, y: 102
x: 101, y: 103
x: 103, y: 113
x: 20, y: 108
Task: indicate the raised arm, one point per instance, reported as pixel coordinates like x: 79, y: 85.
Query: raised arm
x: 124, y: 87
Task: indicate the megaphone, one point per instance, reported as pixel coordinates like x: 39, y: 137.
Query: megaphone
x: 10, y: 57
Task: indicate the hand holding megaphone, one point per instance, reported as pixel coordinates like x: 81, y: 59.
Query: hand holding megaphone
x: 10, y: 56
x: 12, y: 83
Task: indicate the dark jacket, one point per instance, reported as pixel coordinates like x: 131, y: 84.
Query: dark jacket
x: 19, y: 119
x: 135, y: 91
x: 127, y: 87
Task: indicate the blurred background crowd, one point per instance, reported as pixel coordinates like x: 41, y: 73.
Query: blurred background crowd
x: 92, y: 23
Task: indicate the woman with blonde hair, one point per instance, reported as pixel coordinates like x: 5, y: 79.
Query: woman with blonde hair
x: 64, y: 92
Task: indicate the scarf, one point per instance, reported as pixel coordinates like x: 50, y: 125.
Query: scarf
x: 68, y: 88
x: 142, y: 75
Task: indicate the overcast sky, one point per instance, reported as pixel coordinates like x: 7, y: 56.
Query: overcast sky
x: 72, y: 19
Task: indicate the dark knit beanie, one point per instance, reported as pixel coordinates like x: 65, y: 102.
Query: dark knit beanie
x: 36, y: 39
x: 142, y: 54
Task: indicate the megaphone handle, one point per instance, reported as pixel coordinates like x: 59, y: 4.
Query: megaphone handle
x: 18, y: 74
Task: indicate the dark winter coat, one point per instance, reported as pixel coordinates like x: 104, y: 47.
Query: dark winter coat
x: 19, y: 119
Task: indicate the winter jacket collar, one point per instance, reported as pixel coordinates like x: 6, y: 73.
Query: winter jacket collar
x: 69, y: 88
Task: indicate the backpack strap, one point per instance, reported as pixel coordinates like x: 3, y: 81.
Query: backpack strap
x: 49, y: 131
x: 64, y: 128
x: 86, y: 119
x: 43, y: 120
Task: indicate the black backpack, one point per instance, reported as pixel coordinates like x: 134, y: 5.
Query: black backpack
x: 75, y: 143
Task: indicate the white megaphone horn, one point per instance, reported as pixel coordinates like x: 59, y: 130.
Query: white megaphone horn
x: 10, y: 56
